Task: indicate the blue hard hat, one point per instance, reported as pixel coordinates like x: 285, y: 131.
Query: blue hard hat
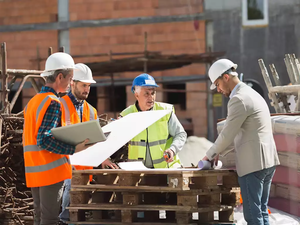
x: 143, y: 80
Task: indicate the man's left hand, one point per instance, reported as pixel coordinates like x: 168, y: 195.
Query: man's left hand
x: 108, y: 164
x: 214, y: 162
x: 171, y: 155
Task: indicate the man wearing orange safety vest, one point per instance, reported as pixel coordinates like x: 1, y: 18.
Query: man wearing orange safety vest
x: 46, y: 159
x: 76, y: 110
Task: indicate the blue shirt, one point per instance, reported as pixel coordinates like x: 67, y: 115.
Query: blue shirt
x: 234, y: 90
x: 52, y: 119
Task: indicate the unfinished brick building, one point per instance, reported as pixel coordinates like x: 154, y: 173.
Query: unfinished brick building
x: 106, y: 27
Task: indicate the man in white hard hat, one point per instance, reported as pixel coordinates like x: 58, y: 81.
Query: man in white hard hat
x: 75, y: 110
x: 248, y: 126
x: 159, y: 144
x: 46, y: 159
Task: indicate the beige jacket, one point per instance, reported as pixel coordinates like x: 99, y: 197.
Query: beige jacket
x: 248, y: 125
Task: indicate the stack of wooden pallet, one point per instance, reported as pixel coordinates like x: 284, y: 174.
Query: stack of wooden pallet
x: 154, y: 197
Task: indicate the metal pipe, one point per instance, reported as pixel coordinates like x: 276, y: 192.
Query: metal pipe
x: 21, y: 72
x: 50, y: 51
x: 13, y: 101
x: 4, y: 78
x: 112, y: 100
x: 145, y: 52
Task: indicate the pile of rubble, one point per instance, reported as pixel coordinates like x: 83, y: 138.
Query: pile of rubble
x: 16, y: 204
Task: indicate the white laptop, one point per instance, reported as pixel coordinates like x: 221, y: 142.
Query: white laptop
x: 76, y: 133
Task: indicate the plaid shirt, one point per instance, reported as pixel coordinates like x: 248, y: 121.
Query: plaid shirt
x: 52, y: 118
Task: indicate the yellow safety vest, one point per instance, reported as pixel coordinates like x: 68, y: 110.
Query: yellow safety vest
x: 156, y: 137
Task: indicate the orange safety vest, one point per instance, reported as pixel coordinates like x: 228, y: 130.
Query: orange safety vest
x: 42, y: 167
x: 70, y: 116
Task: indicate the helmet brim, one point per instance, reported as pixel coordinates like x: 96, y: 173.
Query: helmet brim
x: 213, y: 87
x: 87, y: 81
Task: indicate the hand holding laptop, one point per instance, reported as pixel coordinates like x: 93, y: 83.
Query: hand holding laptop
x: 82, y: 146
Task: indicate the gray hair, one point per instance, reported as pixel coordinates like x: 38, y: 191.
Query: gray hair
x: 51, y: 78
x: 137, y: 89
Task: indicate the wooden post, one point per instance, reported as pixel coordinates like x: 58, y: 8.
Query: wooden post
x: 269, y: 85
x: 282, y: 96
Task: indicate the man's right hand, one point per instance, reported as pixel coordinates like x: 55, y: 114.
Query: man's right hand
x: 82, y: 146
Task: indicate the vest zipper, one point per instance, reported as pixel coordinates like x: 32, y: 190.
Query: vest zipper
x: 147, y: 145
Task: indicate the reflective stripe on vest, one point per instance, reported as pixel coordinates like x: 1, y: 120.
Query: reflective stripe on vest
x: 92, y: 113
x: 42, y: 104
x: 49, y: 166
x: 68, y: 108
x: 42, y: 168
x: 143, y: 144
x: 156, y: 137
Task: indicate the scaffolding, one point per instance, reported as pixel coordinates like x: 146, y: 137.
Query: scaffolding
x: 9, y: 78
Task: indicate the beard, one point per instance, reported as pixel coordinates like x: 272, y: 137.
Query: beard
x: 80, y: 96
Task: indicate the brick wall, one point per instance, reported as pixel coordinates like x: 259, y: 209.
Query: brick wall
x: 168, y: 38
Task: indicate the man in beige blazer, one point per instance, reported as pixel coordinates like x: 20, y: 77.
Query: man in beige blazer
x: 248, y: 126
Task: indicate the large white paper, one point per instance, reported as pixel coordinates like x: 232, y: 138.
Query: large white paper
x: 122, y: 131
x: 139, y: 166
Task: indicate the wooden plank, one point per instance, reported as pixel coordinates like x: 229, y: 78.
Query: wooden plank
x: 184, y: 173
x: 127, y: 223
x: 110, y: 222
x: 184, y: 199
x: 79, y: 197
x: 203, y: 208
x: 78, y: 178
x: 289, y: 159
x: 202, y: 182
x: 286, y: 191
x: 230, y: 181
x: 200, y: 191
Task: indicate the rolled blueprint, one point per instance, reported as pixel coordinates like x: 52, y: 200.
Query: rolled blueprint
x: 206, y: 165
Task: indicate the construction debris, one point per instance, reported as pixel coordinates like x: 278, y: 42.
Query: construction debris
x: 16, y: 202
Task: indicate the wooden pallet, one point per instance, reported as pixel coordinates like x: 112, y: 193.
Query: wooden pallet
x: 128, y: 194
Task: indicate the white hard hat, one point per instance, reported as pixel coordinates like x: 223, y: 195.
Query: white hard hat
x: 58, y: 61
x: 218, y: 68
x: 83, y: 73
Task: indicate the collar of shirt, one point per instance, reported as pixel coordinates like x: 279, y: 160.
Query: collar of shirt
x: 138, y: 107
x: 234, y: 90
x: 46, y: 89
x: 74, y: 100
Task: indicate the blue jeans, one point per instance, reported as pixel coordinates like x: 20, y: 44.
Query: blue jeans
x: 255, y: 188
x: 64, y: 215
